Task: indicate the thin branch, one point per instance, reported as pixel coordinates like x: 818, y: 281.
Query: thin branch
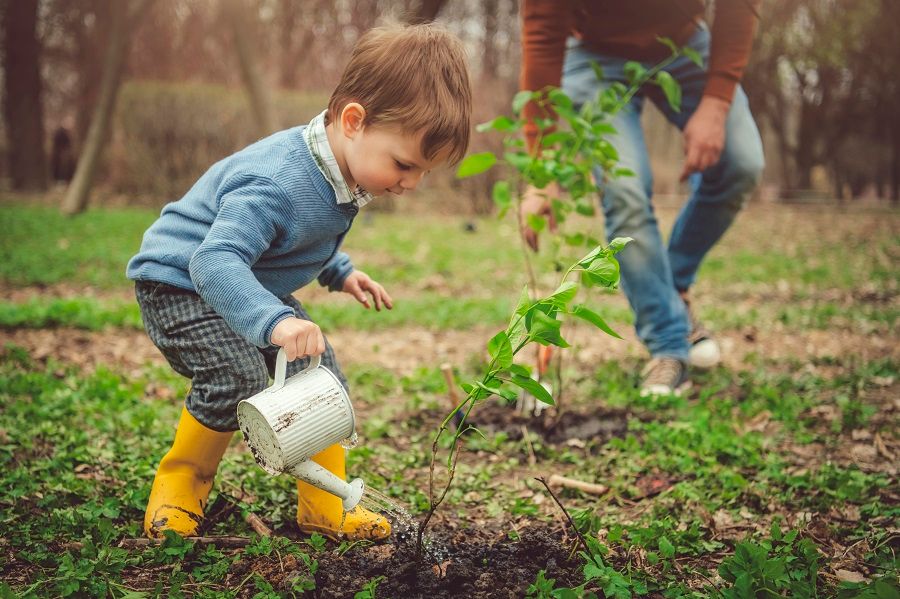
x: 565, y: 512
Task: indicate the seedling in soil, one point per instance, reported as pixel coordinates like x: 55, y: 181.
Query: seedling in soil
x: 565, y: 158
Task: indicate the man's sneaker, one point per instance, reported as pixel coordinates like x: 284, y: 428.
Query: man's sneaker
x: 704, y: 352
x: 664, y: 376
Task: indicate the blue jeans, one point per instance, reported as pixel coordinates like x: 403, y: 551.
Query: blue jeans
x: 652, y: 275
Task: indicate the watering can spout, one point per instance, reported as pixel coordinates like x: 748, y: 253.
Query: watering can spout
x: 310, y: 472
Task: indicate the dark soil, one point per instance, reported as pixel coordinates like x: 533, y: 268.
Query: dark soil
x: 598, y: 425
x: 476, y: 563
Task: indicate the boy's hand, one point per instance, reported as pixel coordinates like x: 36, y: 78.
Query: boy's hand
x: 358, y: 283
x: 299, y: 338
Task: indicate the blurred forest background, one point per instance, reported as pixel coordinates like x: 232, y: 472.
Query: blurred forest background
x: 149, y: 93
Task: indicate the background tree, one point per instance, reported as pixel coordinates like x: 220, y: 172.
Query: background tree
x: 124, y: 17
x: 23, y: 95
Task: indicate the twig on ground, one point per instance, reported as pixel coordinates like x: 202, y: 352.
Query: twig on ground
x: 571, y: 483
x: 258, y: 525
x: 565, y: 512
x: 255, y: 522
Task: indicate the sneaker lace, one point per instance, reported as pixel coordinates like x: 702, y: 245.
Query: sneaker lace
x: 663, y: 371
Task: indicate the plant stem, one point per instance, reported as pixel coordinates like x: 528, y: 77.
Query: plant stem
x: 565, y: 512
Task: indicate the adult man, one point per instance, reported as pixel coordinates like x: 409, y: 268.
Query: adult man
x: 723, y: 151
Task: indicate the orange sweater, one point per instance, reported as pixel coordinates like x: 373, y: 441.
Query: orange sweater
x: 629, y: 28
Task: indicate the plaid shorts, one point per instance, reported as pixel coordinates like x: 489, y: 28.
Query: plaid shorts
x: 224, y: 368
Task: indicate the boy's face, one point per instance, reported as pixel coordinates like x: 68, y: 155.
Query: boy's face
x: 384, y: 159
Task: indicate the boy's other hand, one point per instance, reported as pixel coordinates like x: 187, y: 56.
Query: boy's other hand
x: 358, y: 283
x: 299, y: 338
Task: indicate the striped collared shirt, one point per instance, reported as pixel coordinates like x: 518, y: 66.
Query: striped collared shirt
x: 317, y: 141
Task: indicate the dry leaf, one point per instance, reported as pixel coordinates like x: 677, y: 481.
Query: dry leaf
x: 849, y: 576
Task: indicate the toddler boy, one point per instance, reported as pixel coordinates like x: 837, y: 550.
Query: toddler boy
x: 215, y: 273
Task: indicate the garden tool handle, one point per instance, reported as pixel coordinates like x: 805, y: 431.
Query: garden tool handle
x: 281, y: 368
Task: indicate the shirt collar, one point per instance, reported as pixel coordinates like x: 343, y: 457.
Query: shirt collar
x: 317, y: 141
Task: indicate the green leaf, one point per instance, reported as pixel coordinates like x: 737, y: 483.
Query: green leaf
x: 775, y: 531
x: 544, y: 329
x: 501, y: 196
x: 602, y: 128
x: 555, y: 137
x: 574, y: 239
x: 505, y: 393
x: 623, y: 172
x: 475, y: 164
x: 598, y: 70
x: 564, y: 294
x: 585, y: 208
x: 500, y: 349
x: 520, y: 100
x: 559, y: 98
x: 524, y: 302
x: 590, y: 256
x: 666, y: 549
x: 536, y: 222
x: 693, y: 56
x: 501, y: 123
x: 668, y: 43
x: 616, y: 245
x: 605, y: 270
x: 595, y: 319
x: 520, y: 370
x: 634, y: 71
x: 534, y: 388
x: 670, y: 88
x: 521, y: 161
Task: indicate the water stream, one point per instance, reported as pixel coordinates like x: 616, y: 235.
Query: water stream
x: 405, y: 528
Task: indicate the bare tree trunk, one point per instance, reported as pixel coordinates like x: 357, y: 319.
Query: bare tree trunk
x: 288, y: 12
x: 489, y: 51
x: 122, y: 20
x: 22, y: 97
x: 895, y: 162
x: 242, y: 24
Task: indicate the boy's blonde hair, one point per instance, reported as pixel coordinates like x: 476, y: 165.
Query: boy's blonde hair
x: 413, y: 77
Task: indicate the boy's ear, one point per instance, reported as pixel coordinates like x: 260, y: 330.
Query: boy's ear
x: 352, y: 118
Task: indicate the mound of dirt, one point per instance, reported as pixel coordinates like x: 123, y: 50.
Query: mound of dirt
x: 475, y: 563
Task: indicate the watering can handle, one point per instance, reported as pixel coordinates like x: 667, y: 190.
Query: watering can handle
x: 281, y: 368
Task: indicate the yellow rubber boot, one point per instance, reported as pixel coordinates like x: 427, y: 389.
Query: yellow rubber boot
x: 320, y: 511
x: 184, y: 479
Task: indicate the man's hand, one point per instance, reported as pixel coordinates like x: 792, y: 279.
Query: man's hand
x: 704, y: 136
x: 358, y: 283
x: 535, y: 202
x: 299, y: 338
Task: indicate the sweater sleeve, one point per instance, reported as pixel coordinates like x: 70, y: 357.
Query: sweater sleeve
x: 245, y: 226
x: 733, y: 27
x: 336, y: 272
x: 545, y: 26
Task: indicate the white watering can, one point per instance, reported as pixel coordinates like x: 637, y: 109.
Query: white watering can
x: 295, y: 419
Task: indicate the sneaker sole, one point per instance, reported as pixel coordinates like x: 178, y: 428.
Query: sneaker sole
x: 705, y: 354
x: 665, y: 390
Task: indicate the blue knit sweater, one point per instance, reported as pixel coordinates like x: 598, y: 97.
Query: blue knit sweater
x: 256, y: 226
